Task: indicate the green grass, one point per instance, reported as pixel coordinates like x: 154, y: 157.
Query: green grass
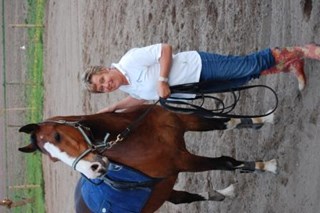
x: 34, y: 97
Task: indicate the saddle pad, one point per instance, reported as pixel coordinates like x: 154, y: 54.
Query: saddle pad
x: 106, y: 198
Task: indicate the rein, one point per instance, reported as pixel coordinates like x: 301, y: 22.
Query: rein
x: 181, y: 105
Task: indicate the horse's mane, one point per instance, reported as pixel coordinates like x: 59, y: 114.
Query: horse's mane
x: 129, y: 110
x: 136, y: 108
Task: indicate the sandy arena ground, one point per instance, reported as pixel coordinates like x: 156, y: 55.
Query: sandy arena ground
x: 83, y: 32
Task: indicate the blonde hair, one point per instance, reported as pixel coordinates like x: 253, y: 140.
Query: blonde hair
x: 87, y: 75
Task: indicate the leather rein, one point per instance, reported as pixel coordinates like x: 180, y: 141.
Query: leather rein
x: 183, y: 105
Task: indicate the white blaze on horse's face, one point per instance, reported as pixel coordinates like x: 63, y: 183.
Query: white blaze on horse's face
x: 89, y: 169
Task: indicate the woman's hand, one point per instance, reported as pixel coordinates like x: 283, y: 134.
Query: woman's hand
x: 163, y: 89
x: 111, y: 108
x: 124, y: 104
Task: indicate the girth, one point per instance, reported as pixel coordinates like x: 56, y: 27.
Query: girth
x: 122, y: 177
x: 127, y: 185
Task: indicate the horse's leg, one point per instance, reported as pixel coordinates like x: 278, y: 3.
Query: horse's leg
x: 160, y: 193
x: 197, y: 123
x: 178, y: 197
x: 254, y: 123
x: 193, y: 163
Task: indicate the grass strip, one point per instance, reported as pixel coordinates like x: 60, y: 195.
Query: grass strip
x: 34, y: 98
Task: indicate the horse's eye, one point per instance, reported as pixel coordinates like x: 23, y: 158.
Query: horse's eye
x: 57, y: 137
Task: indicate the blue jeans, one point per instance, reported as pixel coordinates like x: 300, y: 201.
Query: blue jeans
x: 226, y: 72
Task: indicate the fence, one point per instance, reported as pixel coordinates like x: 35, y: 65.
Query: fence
x: 19, y: 183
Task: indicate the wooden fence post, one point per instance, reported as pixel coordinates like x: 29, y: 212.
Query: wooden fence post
x: 26, y: 25
x: 26, y: 186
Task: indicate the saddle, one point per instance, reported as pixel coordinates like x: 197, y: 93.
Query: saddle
x: 123, y: 189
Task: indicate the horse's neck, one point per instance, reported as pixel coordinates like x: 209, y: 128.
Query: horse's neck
x: 108, y: 122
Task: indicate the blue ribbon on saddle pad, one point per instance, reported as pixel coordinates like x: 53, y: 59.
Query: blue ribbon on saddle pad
x: 123, y: 190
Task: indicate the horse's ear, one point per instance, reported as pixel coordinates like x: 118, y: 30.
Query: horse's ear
x: 29, y: 128
x: 28, y: 149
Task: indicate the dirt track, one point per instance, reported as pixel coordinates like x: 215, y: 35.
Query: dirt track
x: 83, y: 32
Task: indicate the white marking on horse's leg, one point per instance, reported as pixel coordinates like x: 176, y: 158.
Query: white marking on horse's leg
x: 233, y: 123
x: 269, y: 166
x: 205, y: 195
x: 82, y: 166
x: 218, y: 195
x: 228, y: 192
x: 236, y: 122
x: 264, y: 119
x: 213, y: 195
x: 268, y: 118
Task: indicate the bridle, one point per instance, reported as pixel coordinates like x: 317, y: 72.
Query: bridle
x: 105, y: 144
x: 92, y: 147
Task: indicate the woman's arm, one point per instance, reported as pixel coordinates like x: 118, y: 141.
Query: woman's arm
x: 123, y: 104
x: 165, y: 67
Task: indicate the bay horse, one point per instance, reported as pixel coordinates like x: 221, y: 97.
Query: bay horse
x: 153, y: 144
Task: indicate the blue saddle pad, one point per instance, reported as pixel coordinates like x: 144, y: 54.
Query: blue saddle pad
x: 106, y: 197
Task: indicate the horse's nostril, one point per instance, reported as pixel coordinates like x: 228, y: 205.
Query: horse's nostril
x: 94, y: 167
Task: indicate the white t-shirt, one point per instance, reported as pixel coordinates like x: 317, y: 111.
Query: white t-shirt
x: 142, y: 68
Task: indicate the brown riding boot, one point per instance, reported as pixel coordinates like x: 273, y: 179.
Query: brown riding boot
x: 288, y: 60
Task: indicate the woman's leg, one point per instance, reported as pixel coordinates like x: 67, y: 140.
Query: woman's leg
x: 224, y: 72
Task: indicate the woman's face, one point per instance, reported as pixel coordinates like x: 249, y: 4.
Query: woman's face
x: 105, y: 81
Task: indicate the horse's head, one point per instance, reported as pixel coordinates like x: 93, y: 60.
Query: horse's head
x: 65, y: 143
